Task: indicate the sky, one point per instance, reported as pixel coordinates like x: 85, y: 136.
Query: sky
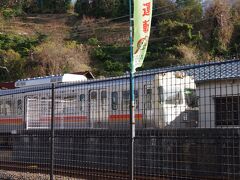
x: 73, y: 1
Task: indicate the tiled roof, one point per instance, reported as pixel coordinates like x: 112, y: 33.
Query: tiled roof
x: 216, y: 70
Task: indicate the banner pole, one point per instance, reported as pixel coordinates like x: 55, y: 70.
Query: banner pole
x: 132, y: 102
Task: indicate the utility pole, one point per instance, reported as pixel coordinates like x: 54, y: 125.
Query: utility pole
x: 132, y: 102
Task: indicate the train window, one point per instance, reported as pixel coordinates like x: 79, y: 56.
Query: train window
x: 93, y: 95
x: 59, y: 105
x: 45, y: 105
x: 70, y: 105
x: 82, y: 97
x: 9, y: 107
x: 174, y: 97
x: 2, y: 109
x: 191, y: 97
x: 149, y: 99
x: 103, y: 99
x: 125, y: 100
x: 160, y: 95
x: 136, y: 99
x: 19, y: 107
x: 114, y: 100
x: 82, y: 102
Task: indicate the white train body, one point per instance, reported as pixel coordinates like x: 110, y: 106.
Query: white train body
x: 161, y: 101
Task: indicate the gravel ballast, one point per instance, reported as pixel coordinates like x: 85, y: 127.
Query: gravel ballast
x: 12, y: 175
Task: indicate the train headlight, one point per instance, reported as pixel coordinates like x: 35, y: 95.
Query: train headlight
x: 179, y: 74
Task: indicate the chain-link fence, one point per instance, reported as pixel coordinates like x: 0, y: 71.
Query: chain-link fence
x: 187, y: 125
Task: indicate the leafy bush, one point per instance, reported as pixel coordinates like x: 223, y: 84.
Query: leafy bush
x: 103, y: 8
x: 19, y: 44
x: 93, y: 42
x: 113, y: 68
x: 8, y: 13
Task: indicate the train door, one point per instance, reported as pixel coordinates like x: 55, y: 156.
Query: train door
x: 93, y: 106
x: 98, y: 108
x: 148, y: 106
x: 173, y: 106
x: 36, y: 113
x: 103, y: 112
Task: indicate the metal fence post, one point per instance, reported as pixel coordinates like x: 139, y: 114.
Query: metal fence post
x: 52, y: 133
x: 132, y: 102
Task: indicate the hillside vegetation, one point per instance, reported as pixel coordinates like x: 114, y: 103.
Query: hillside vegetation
x: 43, y: 37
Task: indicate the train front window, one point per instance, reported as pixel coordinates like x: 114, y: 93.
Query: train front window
x: 174, y: 97
x: 191, y: 97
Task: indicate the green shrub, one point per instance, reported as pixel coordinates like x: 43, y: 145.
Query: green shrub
x: 93, y: 41
x: 8, y: 13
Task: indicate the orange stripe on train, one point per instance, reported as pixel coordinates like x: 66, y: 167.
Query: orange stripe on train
x: 124, y: 117
x: 15, y: 121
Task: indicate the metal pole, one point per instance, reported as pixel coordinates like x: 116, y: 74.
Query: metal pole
x: 52, y: 133
x: 132, y: 103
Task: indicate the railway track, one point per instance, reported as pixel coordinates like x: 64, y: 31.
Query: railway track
x: 90, y: 173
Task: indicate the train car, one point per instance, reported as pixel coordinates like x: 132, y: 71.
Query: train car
x: 161, y: 100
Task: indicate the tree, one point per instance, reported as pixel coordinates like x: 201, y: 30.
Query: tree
x: 102, y: 8
x: 235, y: 40
x: 219, y: 27
x: 189, y: 10
x: 236, y: 11
x: 174, y: 33
x: 162, y: 7
x: 83, y: 8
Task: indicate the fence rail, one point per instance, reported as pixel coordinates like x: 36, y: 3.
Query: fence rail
x: 187, y: 126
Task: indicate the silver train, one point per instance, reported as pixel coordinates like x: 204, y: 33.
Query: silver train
x: 162, y: 100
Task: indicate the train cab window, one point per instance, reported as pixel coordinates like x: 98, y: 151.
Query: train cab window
x: 103, y: 99
x: 175, y: 97
x: 191, y: 97
x: 149, y: 99
x: 82, y: 102
x: 160, y: 95
x: 114, y: 100
x: 19, y: 107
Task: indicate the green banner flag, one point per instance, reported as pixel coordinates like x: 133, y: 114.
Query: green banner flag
x: 142, y: 26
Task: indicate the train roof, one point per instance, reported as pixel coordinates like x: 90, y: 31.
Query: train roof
x: 200, y: 72
x: 50, y: 79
